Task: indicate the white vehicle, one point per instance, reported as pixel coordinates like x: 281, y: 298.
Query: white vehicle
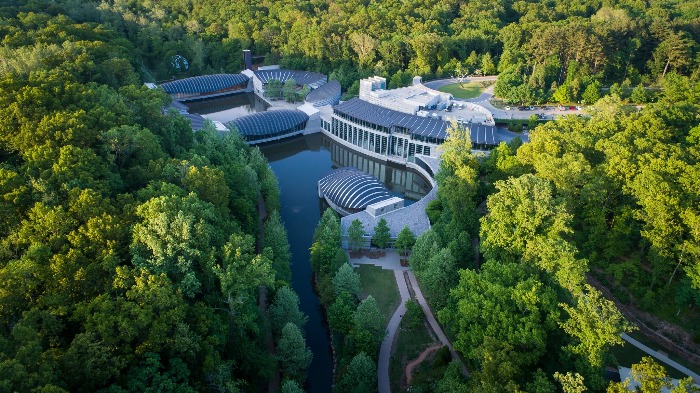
x: 507, y: 108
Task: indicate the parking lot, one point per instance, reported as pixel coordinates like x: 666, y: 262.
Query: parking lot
x: 543, y: 112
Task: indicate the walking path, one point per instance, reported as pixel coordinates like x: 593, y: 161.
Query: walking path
x: 388, y: 342
x: 404, y: 277
x: 413, y: 363
x: 433, y: 323
x: 661, y: 357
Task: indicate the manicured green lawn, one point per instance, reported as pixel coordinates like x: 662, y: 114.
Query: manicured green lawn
x: 468, y: 90
x: 381, y: 284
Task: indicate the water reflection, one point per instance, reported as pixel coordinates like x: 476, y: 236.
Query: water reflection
x: 399, y: 180
x: 299, y: 164
x: 227, y: 108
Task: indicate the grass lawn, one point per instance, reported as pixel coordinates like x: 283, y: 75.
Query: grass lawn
x: 468, y: 90
x: 409, y: 344
x: 381, y: 284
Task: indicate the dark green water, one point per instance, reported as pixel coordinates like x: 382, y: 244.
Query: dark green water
x: 299, y: 163
x: 227, y: 108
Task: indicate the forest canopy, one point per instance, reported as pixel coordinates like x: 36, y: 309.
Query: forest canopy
x: 539, y: 45
x: 130, y: 250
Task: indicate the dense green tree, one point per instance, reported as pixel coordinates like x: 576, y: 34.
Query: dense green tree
x: 427, y: 245
x: 616, y: 90
x: 651, y: 377
x: 346, y: 280
x: 275, y: 237
x: 360, y: 375
x: 639, y: 95
x: 285, y: 309
x: 440, y: 272
x: 290, y: 386
x: 356, y: 235
x: 571, y: 382
x: 293, y: 355
x: 368, y: 327
x: 522, y: 210
x: 405, y: 240
x: 289, y: 90
x: 273, y: 89
x: 381, y: 236
x: 452, y: 381
x: 242, y: 271
x: 487, y: 65
x: 595, y: 323
x: 592, y: 93
x: 341, y: 313
x: 502, y: 308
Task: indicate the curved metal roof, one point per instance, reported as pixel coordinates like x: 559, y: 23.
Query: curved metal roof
x: 204, y: 83
x: 269, y: 123
x: 328, y: 94
x: 352, y: 189
x: 365, y: 111
x: 196, y: 121
x: 313, y: 79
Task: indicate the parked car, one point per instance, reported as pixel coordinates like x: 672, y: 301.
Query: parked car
x: 572, y: 108
x: 532, y: 108
x: 522, y: 108
x: 561, y: 108
x: 507, y: 108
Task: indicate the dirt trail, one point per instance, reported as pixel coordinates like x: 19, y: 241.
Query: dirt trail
x: 415, y: 362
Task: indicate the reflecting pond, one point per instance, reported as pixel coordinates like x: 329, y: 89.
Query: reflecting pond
x: 299, y: 163
x: 229, y: 107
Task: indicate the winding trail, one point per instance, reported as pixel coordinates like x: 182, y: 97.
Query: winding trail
x: 385, y: 350
x: 415, y: 362
x: 433, y: 323
x: 404, y: 278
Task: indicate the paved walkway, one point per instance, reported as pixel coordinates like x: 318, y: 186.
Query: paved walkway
x: 661, y: 357
x: 404, y: 277
x: 392, y: 261
x: 433, y: 323
x: 385, y: 350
